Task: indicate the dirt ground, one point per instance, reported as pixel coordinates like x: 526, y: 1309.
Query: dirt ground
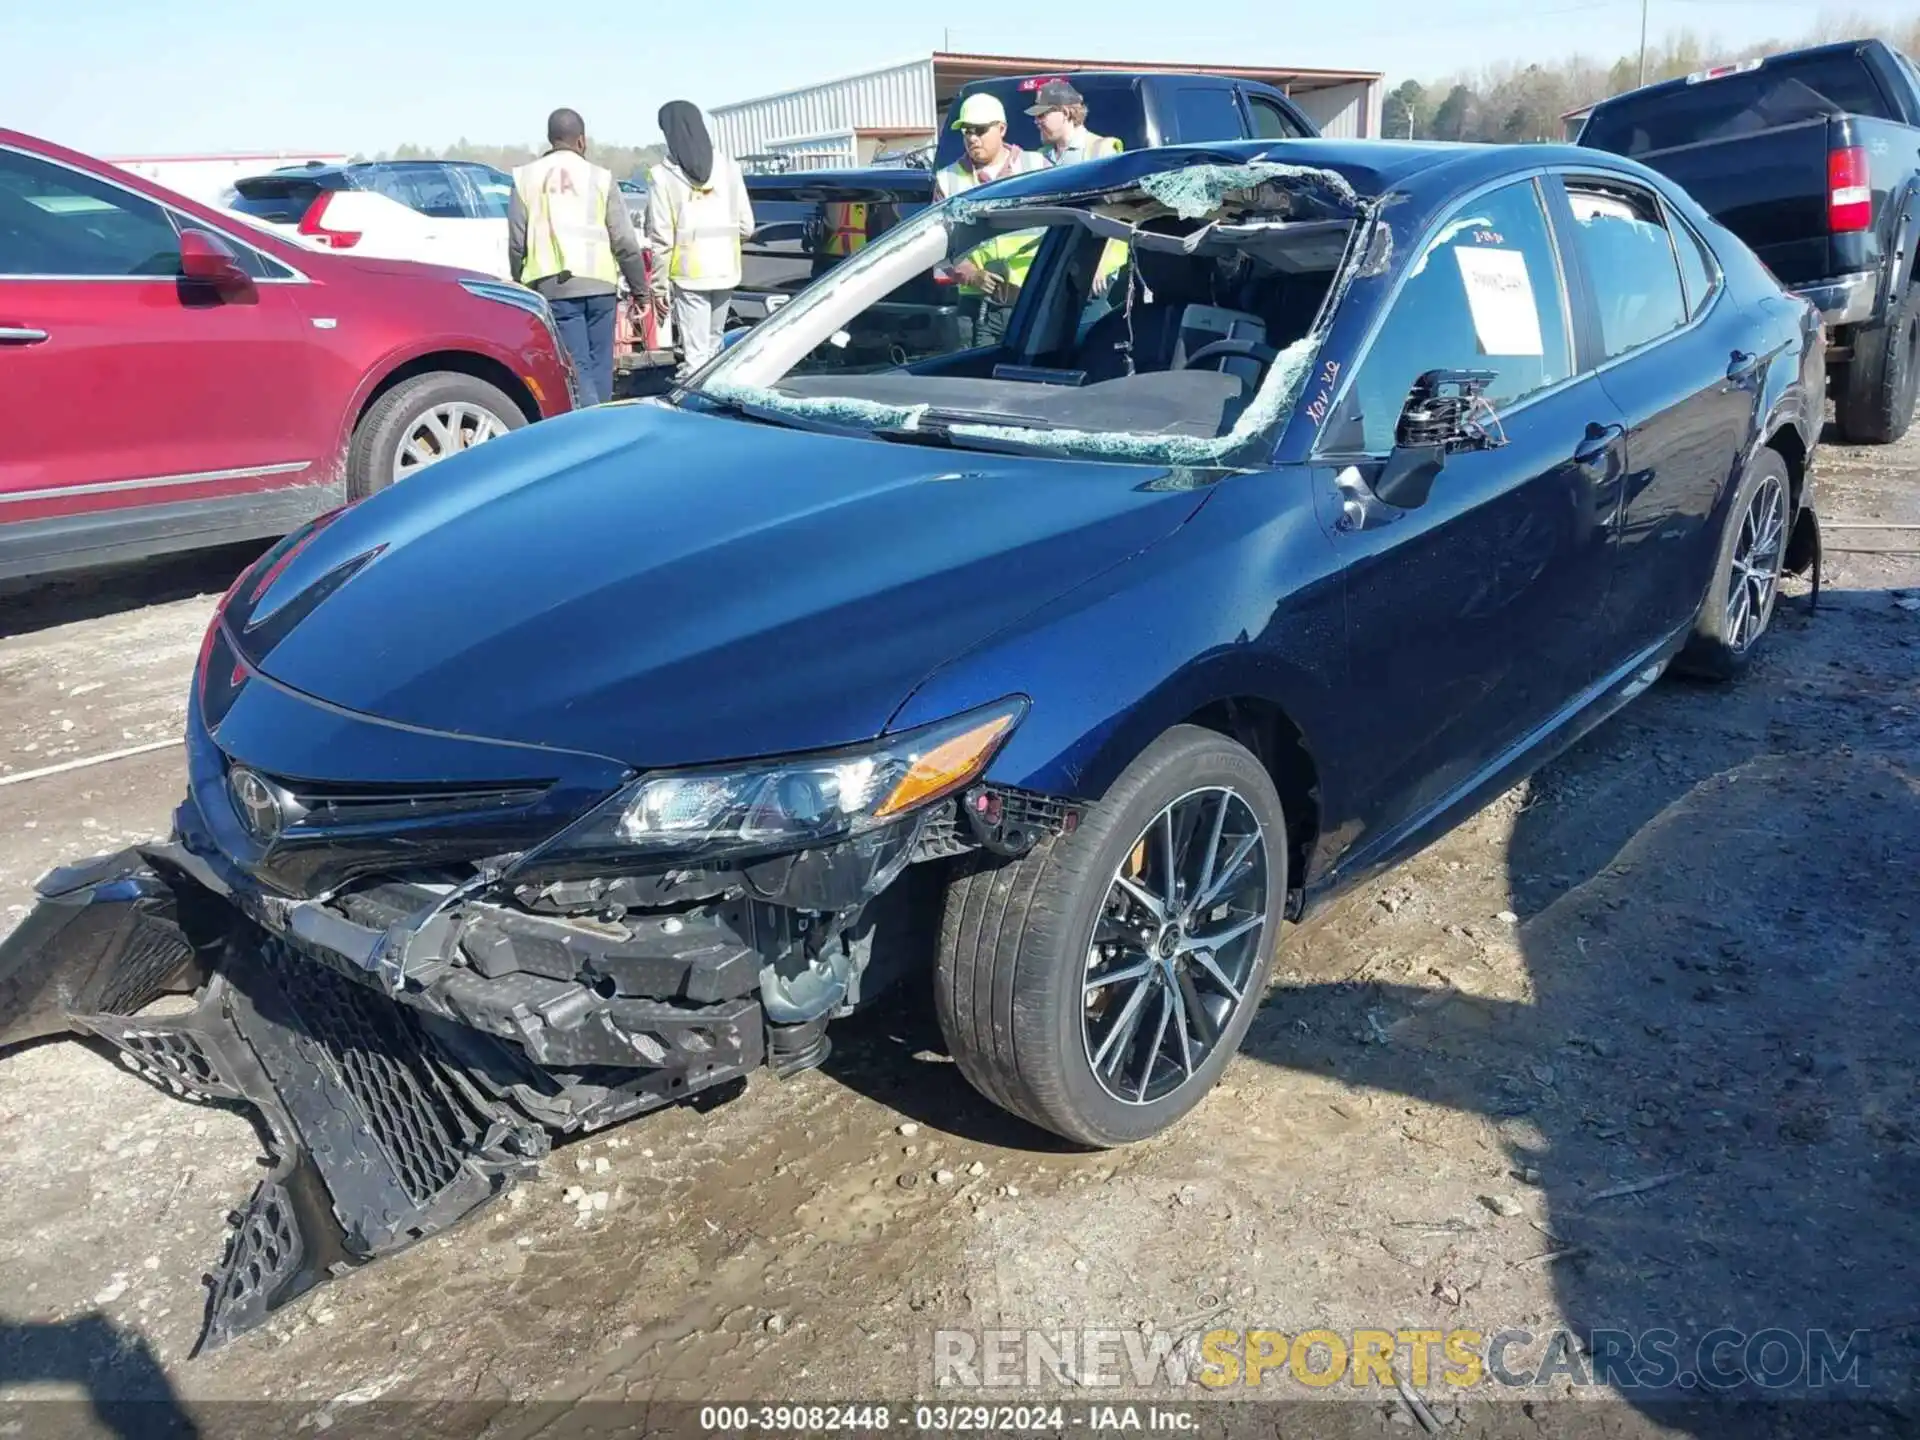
x: 1633, y: 1048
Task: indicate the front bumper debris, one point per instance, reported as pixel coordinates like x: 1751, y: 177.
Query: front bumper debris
x: 384, y: 1125
x: 411, y: 1045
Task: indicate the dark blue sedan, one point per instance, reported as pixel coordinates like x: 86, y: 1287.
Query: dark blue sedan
x: 1107, y: 566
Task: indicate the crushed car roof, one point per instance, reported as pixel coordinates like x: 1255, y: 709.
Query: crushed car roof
x: 1371, y: 167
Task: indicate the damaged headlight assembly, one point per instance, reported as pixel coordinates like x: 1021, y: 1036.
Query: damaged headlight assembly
x: 756, y: 809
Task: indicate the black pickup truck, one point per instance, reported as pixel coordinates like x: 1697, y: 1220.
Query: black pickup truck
x: 808, y: 221
x: 1813, y: 158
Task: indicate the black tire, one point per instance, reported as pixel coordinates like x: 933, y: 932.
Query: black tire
x: 1715, y: 651
x: 1015, y: 939
x: 1874, y: 402
x: 370, y: 458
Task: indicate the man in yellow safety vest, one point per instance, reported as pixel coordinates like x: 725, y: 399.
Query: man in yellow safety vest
x: 991, y: 274
x: 698, y: 214
x: 570, y: 238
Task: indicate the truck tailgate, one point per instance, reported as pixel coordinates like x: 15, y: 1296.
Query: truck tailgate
x: 1769, y: 187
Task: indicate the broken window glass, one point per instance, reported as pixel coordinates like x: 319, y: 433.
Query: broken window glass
x: 1169, y: 323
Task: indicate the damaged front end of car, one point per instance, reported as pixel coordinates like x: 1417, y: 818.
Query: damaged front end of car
x: 415, y: 1012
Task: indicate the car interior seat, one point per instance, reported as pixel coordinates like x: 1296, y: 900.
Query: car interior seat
x: 1174, y: 315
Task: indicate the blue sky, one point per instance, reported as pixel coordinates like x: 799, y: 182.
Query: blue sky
x: 119, y: 77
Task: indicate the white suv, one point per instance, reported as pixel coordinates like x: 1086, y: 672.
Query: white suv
x: 443, y: 212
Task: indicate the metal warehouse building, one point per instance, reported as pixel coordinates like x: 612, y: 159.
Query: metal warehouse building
x: 847, y: 121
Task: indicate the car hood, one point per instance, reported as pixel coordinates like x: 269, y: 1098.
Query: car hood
x: 668, y: 588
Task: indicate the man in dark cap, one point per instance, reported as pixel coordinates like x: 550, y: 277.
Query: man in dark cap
x: 1060, y: 112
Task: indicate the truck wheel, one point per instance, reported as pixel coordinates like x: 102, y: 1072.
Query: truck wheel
x: 1746, y: 578
x: 421, y: 421
x: 1875, y: 402
x: 1099, y: 986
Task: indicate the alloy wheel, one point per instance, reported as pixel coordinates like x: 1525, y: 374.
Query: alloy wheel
x: 1754, y: 581
x: 1175, y: 945
x: 441, y: 431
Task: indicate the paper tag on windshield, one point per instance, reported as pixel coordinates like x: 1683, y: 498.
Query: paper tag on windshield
x: 1500, y: 295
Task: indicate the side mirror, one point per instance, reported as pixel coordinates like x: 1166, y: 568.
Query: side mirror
x: 1408, y: 478
x: 1443, y: 414
x: 206, y: 259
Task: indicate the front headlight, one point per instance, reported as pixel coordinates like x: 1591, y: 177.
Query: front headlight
x: 767, y: 808
x: 506, y: 293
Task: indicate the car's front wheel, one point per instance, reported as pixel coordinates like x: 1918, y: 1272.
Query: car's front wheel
x: 1100, y: 985
x: 422, y: 421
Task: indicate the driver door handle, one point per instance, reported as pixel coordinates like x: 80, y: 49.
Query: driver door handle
x: 21, y: 335
x: 1598, y: 441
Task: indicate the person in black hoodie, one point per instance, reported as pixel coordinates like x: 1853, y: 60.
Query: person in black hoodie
x: 697, y: 216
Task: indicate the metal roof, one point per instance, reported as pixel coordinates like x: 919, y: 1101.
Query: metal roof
x: 958, y: 66
x: 955, y: 68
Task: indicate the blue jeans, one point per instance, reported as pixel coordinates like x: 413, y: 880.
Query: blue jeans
x: 586, y: 329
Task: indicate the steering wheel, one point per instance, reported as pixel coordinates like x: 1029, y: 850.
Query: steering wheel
x: 1252, y: 349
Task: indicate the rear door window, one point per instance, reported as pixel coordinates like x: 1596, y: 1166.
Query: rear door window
x: 1270, y: 122
x: 489, y: 190
x: 1205, y: 112
x: 426, y: 187
x: 1778, y: 93
x: 1623, y: 239
x: 1485, y: 294
x: 64, y: 223
x: 1699, y: 271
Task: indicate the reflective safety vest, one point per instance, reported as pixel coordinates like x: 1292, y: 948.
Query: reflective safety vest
x: 1090, y: 147
x: 707, y: 222
x: 1094, y: 147
x: 846, y: 226
x: 565, y: 197
x: 1009, y: 254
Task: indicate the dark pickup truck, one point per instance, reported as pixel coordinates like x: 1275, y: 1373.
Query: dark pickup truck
x: 1813, y: 158
x: 808, y: 221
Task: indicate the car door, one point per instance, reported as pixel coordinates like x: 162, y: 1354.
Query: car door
x: 1476, y: 618
x: 1673, y: 360
x: 126, y: 386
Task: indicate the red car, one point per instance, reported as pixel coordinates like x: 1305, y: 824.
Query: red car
x: 175, y: 377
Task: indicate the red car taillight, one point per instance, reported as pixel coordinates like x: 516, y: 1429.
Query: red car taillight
x: 1849, y: 191
x: 313, y: 224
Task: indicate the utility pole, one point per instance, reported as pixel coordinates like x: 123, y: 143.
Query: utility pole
x: 1643, y: 41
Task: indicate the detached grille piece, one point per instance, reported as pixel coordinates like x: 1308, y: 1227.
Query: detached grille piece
x: 410, y: 1110
x: 155, y: 950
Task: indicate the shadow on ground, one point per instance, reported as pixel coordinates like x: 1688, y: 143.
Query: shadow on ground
x: 33, y: 605
x: 126, y: 1387
x: 1713, y: 1081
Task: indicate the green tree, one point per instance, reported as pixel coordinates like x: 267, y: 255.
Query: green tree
x: 1451, y: 116
x: 1405, y: 109
x: 1525, y: 103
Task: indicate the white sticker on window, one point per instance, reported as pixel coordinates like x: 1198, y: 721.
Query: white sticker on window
x: 1500, y: 295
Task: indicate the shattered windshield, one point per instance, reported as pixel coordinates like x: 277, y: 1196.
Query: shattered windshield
x: 1167, y: 322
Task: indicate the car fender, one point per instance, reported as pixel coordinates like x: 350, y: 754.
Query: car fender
x: 1130, y: 653
x: 414, y: 348
x: 1897, y: 262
